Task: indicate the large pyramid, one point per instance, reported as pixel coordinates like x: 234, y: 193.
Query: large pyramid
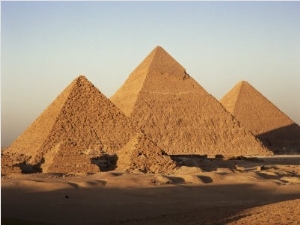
x: 174, y: 111
x: 80, y: 118
x: 254, y: 111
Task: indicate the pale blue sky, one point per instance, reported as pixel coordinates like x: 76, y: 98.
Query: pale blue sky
x: 45, y: 45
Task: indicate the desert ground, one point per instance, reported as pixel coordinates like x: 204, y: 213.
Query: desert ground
x: 201, y: 191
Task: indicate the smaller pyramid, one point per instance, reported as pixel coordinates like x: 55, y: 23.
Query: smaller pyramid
x: 80, y: 121
x: 260, y: 116
x: 67, y: 158
x: 141, y: 154
x: 8, y: 165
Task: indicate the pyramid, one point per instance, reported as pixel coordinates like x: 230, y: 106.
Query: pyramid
x: 66, y: 158
x: 80, y: 118
x: 143, y: 155
x: 8, y: 165
x: 268, y: 123
x: 175, y: 112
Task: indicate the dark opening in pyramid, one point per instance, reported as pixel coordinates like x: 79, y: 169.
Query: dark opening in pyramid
x: 254, y: 111
x: 174, y: 111
x: 80, y: 121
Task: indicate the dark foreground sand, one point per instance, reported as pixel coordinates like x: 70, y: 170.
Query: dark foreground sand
x: 213, y: 192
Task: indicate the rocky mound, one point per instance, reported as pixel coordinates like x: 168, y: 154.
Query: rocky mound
x: 142, y: 155
x: 268, y: 123
x: 174, y: 111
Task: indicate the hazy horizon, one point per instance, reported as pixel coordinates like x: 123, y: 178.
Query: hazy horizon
x: 46, y: 45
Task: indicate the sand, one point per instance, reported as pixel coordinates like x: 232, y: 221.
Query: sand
x: 200, y: 191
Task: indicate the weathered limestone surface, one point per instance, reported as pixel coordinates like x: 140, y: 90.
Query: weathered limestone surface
x: 82, y: 117
x: 174, y: 111
x: 267, y: 122
x: 141, y: 154
x: 69, y: 159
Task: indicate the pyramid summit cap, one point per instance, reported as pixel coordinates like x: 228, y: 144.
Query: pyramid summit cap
x: 242, y: 82
x: 161, y: 62
x: 158, y: 67
x: 81, y: 78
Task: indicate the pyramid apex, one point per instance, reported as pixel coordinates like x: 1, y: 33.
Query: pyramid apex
x: 241, y: 85
x: 163, y: 63
x: 243, y: 82
x: 160, y: 50
x: 81, y: 80
x: 81, y: 77
x: 158, y: 47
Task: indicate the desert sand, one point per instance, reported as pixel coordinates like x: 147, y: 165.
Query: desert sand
x: 200, y: 191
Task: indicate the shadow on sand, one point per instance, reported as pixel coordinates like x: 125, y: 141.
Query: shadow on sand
x: 204, y: 204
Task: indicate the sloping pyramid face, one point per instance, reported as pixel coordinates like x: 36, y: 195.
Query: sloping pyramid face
x: 7, y: 165
x: 254, y: 111
x: 141, y: 154
x: 66, y: 158
x: 82, y: 117
x: 175, y: 112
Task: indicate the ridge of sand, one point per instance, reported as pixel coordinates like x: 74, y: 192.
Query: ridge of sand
x: 258, y: 114
x: 82, y: 117
x: 174, y: 111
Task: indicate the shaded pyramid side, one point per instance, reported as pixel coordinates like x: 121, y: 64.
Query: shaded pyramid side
x: 86, y: 119
x: 141, y: 154
x: 132, y: 86
x: 230, y: 99
x: 254, y: 111
x: 174, y: 111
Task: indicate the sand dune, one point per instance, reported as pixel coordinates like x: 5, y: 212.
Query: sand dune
x: 208, y: 192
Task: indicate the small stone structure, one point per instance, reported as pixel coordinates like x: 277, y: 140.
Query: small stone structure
x: 142, y: 155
